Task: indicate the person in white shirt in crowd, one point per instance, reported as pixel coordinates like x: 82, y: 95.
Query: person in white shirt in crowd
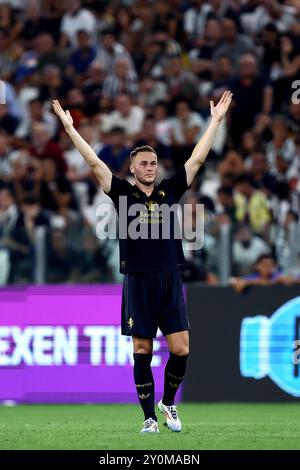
x: 246, y: 249
x: 76, y: 18
x: 195, y: 17
x: 187, y: 125
x: 126, y: 115
x: 151, y: 92
x: 282, y: 14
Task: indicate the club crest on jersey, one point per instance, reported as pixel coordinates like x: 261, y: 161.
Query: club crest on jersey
x: 151, y: 206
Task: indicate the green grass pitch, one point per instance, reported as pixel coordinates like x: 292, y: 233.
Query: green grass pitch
x: 107, y: 427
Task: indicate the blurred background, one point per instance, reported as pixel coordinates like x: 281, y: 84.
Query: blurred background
x: 135, y: 72
x: 144, y: 72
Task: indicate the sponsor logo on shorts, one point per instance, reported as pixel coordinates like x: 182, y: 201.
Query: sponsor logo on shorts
x: 130, y: 322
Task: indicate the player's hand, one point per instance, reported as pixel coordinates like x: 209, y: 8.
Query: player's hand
x: 65, y: 117
x: 219, y: 111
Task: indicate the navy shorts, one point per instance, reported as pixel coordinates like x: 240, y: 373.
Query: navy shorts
x: 151, y: 301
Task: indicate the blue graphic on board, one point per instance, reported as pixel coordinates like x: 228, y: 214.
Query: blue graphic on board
x: 271, y: 347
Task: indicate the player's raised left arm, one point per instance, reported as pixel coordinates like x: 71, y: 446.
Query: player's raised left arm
x: 202, y: 148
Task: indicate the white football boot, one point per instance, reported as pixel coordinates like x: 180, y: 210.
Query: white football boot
x: 171, y: 415
x: 150, y: 425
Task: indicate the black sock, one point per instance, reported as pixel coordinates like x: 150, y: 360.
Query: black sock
x: 144, y: 383
x: 174, y: 373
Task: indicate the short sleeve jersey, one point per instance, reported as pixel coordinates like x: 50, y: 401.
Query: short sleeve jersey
x: 161, y: 252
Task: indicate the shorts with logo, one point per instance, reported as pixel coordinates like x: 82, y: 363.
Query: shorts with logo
x: 151, y: 301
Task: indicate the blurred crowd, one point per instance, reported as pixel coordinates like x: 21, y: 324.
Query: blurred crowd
x: 143, y: 72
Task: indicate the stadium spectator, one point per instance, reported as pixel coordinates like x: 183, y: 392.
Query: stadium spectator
x: 281, y: 148
x: 42, y: 147
x: 180, y: 82
x: 37, y: 113
x: 47, y: 52
x: 56, y: 193
x: 115, y: 154
x: 258, y: 169
x: 9, y: 24
x: 8, y: 217
x: 63, y: 260
x: 22, y: 240
x: 246, y: 249
x: 195, y: 268
x: 110, y: 51
x: 35, y: 23
x: 187, y: 125
x: 8, y: 122
x: 201, y: 56
x: 126, y: 115
x: 8, y: 213
x: 265, y: 274
x: 75, y: 19
x: 253, y: 97
x: 5, y: 158
x: 151, y: 92
x: 232, y: 44
x: 162, y: 123
x: 92, y: 88
x: 226, y: 202
x: 148, y: 136
x: 152, y: 72
x: 286, y: 241
x: 53, y: 83
x: 92, y: 267
x: 252, y: 205
x: 82, y: 57
x: 282, y: 14
x: 122, y: 80
x: 194, y: 19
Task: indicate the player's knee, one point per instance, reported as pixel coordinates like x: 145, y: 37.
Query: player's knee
x: 142, y: 346
x: 143, y: 350
x: 181, y: 351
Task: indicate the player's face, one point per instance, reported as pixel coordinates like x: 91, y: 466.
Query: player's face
x: 144, y: 167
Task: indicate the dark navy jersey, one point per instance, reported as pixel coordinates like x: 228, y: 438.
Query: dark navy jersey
x: 163, y: 251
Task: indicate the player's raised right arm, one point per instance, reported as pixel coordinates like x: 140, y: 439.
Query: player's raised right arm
x: 100, y: 169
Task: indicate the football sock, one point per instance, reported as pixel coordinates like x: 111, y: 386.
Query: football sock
x: 174, y: 374
x: 144, y: 383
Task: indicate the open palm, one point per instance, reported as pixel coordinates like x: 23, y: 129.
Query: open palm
x: 219, y: 111
x: 65, y: 117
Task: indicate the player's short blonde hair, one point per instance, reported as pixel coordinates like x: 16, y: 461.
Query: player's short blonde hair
x: 142, y: 148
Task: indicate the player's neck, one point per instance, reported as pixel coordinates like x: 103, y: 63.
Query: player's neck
x: 146, y: 188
